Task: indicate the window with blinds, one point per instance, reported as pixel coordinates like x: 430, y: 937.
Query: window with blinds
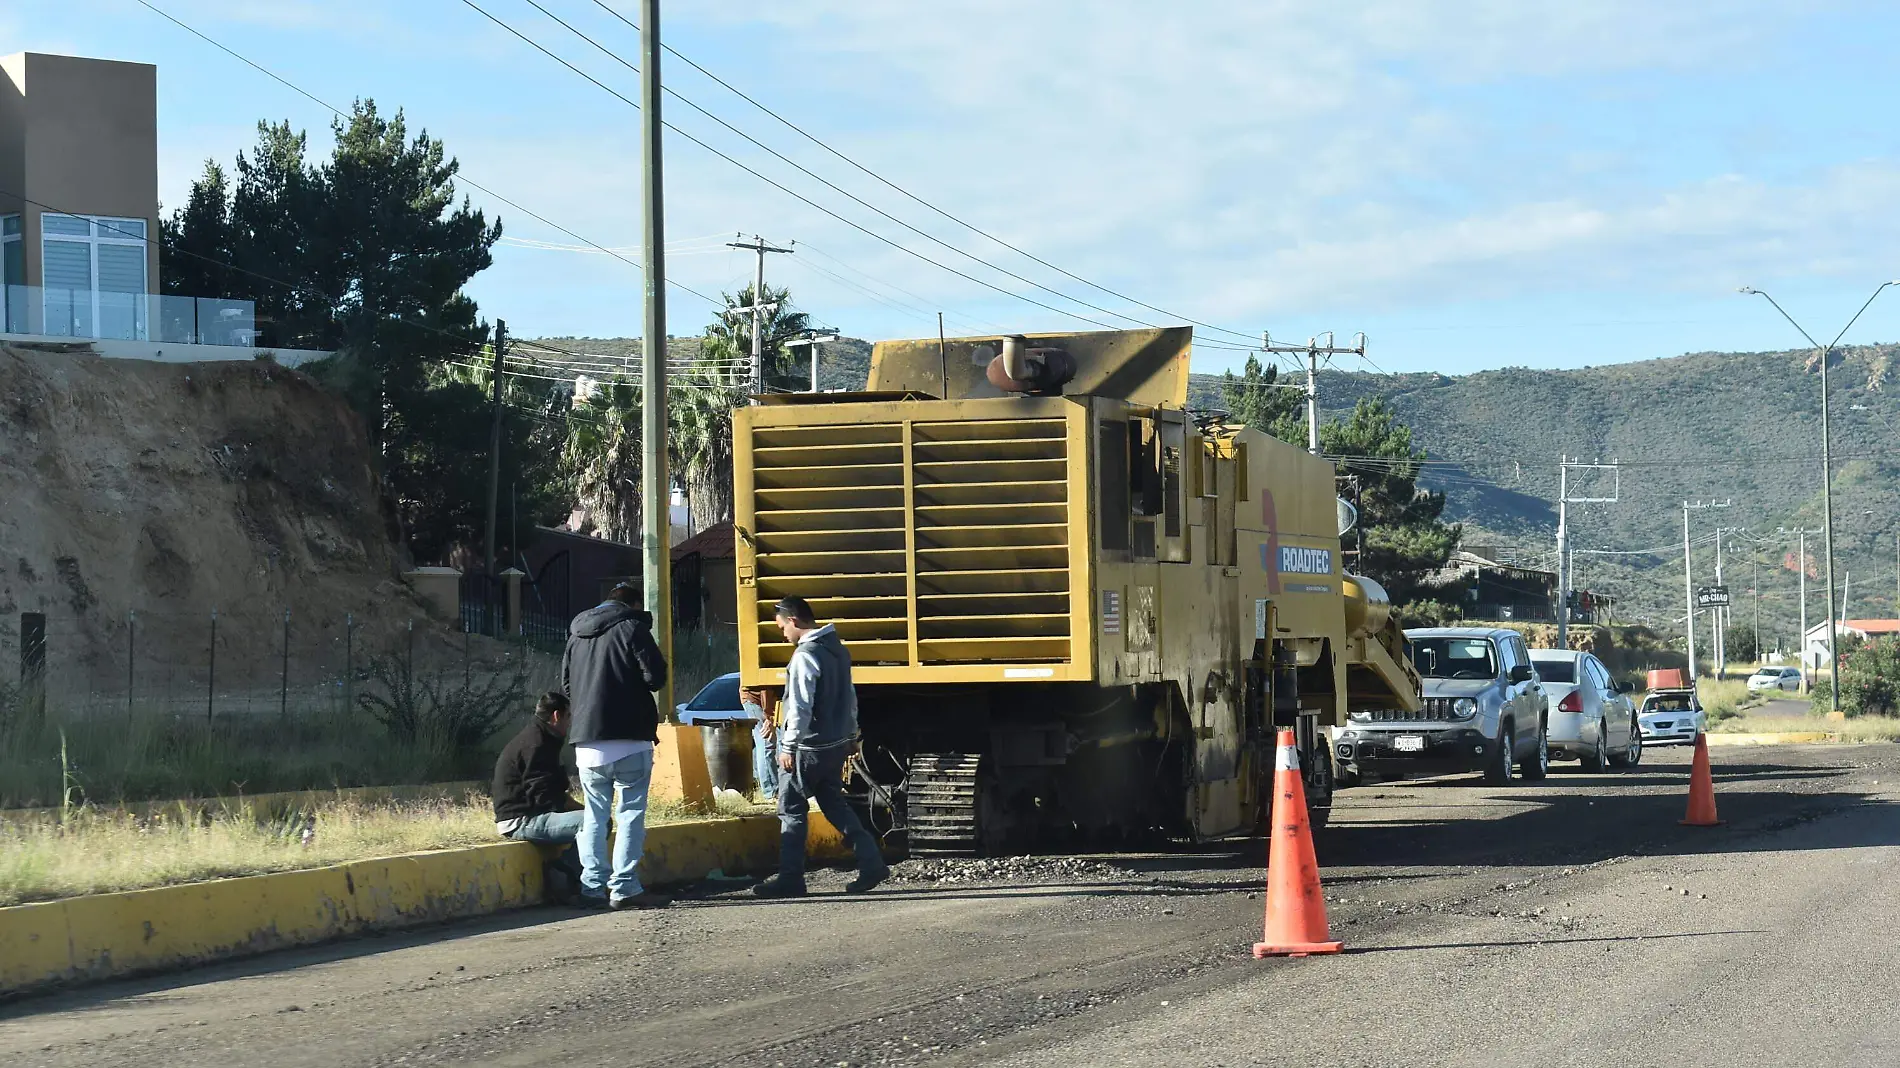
x: 92, y: 271
x: 12, y: 276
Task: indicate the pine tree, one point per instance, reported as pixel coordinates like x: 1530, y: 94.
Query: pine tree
x: 1405, y: 539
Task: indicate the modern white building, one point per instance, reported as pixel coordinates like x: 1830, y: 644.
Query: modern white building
x: 79, y: 225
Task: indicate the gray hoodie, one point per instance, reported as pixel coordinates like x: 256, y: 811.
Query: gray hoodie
x: 821, y: 706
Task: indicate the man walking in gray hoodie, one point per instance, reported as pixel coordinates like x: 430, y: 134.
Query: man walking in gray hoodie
x: 819, y: 734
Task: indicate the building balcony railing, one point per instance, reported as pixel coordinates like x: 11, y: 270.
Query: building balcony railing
x: 99, y: 315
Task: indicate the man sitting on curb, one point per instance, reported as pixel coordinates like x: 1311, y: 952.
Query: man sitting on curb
x: 531, y: 799
x: 819, y: 735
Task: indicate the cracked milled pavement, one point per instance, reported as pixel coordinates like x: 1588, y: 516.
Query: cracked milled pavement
x: 1570, y: 922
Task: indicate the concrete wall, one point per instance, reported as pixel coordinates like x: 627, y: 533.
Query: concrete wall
x: 83, y: 138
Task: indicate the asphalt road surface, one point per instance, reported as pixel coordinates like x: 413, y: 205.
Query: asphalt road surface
x: 1568, y: 923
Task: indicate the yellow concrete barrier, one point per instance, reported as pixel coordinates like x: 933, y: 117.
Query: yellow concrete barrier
x: 679, y: 768
x: 102, y: 936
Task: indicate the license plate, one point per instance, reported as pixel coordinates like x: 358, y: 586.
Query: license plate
x: 1408, y: 743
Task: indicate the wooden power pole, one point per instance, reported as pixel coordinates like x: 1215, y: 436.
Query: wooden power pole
x: 494, y: 452
x: 656, y: 504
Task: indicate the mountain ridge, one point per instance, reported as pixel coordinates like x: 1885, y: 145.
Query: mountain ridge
x: 1704, y: 425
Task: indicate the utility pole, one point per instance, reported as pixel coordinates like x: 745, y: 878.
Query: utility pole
x: 656, y: 511
x: 1720, y: 638
x: 1801, y: 573
x: 1755, y: 559
x: 1314, y: 350
x: 1564, y: 501
x: 1802, y: 562
x: 1688, y: 592
x: 494, y: 450
x: 813, y: 340
x: 1827, y: 477
x: 1688, y: 578
x: 758, y: 308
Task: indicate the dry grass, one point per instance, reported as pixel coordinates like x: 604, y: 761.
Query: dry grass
x: 1725, y: 699
x: 1863, y: 729
x: 103, y: 850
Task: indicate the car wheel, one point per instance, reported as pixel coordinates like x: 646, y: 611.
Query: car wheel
x: 1599, y: 757
x: 1497, y: 769
x: 1632, y: 753
x: 1538, y: 766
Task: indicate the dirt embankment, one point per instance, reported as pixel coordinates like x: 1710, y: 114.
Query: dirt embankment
x: 171, y: 490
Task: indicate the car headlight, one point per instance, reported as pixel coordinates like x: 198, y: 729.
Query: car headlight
x: 1464, y: 708
x: 1359, y: 717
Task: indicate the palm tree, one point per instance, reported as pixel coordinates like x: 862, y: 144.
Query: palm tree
x: 732, y: 330
x: 699, y: 442
x: 602, y: 455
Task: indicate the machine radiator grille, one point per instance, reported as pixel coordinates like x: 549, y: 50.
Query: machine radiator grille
x: 992, y: 529
x: 925, y: 543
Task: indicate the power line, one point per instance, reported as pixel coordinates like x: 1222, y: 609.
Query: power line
x: 912, y: 196
x: 537, y: 46
x: 286, y: 83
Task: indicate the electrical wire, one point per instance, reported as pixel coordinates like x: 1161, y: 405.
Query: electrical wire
x: 912, y: 196
x: 537, y: 46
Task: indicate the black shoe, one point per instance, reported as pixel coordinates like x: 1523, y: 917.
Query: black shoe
x: 863, y: 884
x: 590, y: 901
x: 776, y: 887
x: 646, y: 899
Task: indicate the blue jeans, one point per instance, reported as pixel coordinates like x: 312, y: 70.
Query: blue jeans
x: 819, y: 776
x: 555, y: 828
x: 629, y: 777
x: 765, y: 762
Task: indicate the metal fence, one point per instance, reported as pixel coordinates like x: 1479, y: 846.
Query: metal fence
x: 208, y: 665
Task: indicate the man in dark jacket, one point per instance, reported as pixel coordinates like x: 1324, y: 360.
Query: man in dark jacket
x: 819, y: 734
x: 611, y: 670
x: 530, y: 792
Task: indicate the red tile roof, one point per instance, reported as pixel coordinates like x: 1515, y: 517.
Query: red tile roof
x: 713, y: 543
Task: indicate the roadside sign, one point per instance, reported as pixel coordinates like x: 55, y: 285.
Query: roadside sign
x: 1711, y: 597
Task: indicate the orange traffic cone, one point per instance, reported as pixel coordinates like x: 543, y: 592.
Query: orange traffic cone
x: 1296, y: 913
x: 1701, y: 789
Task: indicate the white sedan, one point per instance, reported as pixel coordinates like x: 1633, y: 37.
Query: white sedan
x: 1775, y: 678
x: 1671, y: 716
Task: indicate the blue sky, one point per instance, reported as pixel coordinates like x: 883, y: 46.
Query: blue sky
x: 1473, y: 184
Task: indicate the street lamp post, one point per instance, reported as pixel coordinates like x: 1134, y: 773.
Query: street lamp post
x: 1827, y: 481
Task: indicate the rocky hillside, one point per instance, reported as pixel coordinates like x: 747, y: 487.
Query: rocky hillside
x: 172, y: 490
x: 1743, y: 427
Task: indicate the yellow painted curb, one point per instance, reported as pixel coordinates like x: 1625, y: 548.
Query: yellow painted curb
x: 102, y: 936
x: 1785, y: 738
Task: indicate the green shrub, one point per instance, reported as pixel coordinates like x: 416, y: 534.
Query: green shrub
x: 1870, y: 679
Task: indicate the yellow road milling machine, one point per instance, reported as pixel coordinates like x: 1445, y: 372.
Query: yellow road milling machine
x: 1076, y: 611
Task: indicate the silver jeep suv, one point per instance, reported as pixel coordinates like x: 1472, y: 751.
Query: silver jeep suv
x: 1483, y: 711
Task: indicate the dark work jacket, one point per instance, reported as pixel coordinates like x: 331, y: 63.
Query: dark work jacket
x: 529, y: 778
x: 610, y: 672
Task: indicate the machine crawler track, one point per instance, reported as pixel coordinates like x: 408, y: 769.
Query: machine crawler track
x: 940, y: 804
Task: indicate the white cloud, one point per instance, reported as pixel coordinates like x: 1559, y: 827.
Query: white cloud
x: 1245, y: 160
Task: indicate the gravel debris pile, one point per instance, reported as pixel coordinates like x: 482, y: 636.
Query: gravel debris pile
x: 956, y: 870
